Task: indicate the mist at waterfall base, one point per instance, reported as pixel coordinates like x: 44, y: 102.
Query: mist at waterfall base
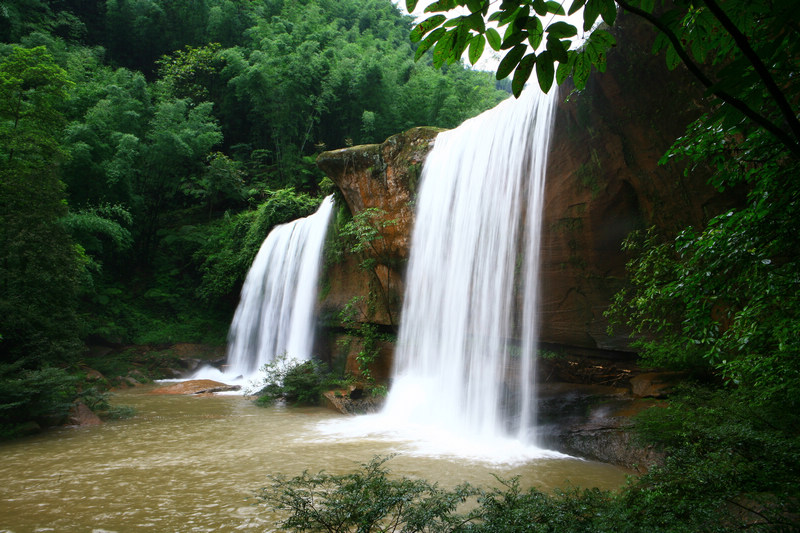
x: 463, y: 379
x: 276, y: 312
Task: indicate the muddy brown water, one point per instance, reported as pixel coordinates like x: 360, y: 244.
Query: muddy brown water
x: 194, y: 463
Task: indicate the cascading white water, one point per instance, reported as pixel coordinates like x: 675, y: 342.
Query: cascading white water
x: 464, y: 363
x: 276, y: 312
x: 473, y: 273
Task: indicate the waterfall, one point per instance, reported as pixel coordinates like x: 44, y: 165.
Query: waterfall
x: 276, y: 312
x: 465, y: 359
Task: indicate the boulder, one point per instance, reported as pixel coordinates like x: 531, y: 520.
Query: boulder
x: 353, y: 402
x: 593, y: 422
x: 80, y: 415
x: 196, y: 386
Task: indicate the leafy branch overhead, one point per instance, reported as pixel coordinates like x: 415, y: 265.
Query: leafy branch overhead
x: 743, y: 52
x: 528, y: 24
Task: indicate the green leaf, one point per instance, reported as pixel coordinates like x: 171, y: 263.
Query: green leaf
x: 673, y: 59
x: 475, y: 22
x: 576, y: 6
x: 475, y: 6
x: 411, y: 5
x: 461, y: 39
x: 521, y: 16
x: 535, y: 32
x: 556, y: 8
x: 557, y: 49
x: 597, y: 46
x: 476, y: 46
x: 603, y: 38
x: 443, y: 50
x: 565, y: 68
x: 494, y: 39
x: 510, y: 61
x: 522, y: 74
x: 497, y: 15
x: 580, y: 74
x: 590, y: 13
x: 441, y: 5
x: 429, y: 41
x: 512, y: 38
x: 661, y: 41
x: 561, y: 30
x: 425, y: 26
x: 608, y: 10
x: 540, y: 6
x: 545, y: 70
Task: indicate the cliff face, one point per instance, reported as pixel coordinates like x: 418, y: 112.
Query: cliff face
x: 603, y: 181
x: 382, y: 180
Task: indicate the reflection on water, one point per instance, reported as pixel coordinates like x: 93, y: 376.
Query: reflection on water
x: 192, y: 464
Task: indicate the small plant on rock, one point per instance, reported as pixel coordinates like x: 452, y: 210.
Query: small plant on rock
x: 293, y: 381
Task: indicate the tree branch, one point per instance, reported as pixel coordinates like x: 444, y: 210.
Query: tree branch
x: 743, y: 43
x: 694, y: 68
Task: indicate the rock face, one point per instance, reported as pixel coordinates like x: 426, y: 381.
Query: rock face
x: 604, y: 181
x: 381, y: 178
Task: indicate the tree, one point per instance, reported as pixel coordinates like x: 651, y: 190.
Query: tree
x: 39, y: 267
x: 743, y: 52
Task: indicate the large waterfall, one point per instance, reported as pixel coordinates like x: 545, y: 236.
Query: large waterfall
x: 276, y: 312
x: 464, y: 363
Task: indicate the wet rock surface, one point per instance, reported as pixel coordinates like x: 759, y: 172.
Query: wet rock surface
x: 353, y: 402
x: 196, y: 386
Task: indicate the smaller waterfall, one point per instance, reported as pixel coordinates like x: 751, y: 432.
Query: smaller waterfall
x: 276, y: 312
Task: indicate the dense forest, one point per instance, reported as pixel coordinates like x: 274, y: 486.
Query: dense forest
x: 148, y: 147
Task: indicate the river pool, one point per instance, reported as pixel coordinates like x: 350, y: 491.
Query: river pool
x: 187, y: 463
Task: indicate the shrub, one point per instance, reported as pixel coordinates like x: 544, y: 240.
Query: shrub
x: 365, y: 500
x: 43, y: 396
x: 292, y: 381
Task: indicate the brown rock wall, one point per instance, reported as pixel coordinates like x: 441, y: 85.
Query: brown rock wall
x: 604, y: 181
x: 383, y: 177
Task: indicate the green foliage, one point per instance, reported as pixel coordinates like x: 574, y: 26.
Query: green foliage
x: 40, y: 267
x: 292, y: 381
x: 725, y: 298
x: 528, y: 24
x: 230, y: 244
x: 725, y: 458
x: 691, y: 492
x: 99, y: 403
x: 42, y: 395
x: 32, y: 90
x: 149, y: 147
x: 147, y: 364
x: 364, y: 235
x: 364, y: 501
